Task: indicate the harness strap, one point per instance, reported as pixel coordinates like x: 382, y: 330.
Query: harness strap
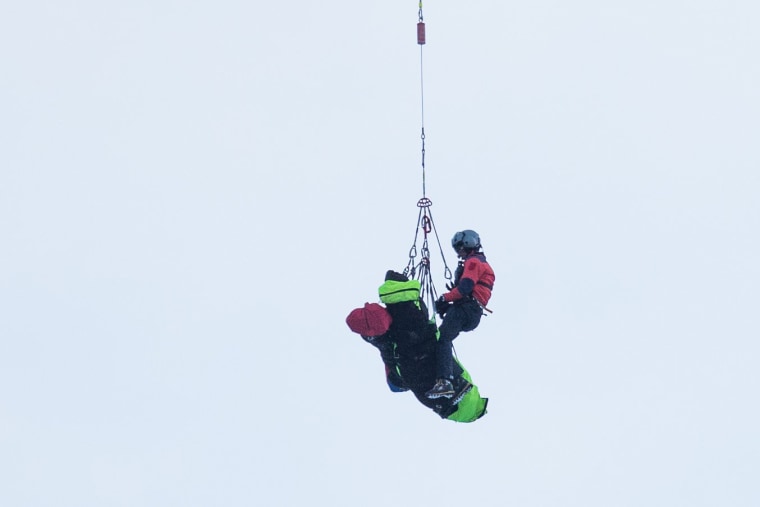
x: 474, y: 300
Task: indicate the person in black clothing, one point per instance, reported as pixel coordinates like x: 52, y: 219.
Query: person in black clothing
x: 407, y: 340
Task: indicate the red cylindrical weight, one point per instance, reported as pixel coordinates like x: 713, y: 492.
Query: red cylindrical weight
x: 420, y: 33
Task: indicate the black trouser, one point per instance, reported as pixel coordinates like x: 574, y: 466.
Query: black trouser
x: 464, y: 315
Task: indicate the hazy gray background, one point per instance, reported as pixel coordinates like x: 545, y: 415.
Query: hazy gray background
x: 194, y: 195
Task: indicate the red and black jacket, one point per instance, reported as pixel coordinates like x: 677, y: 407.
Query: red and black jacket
x: 474, y: 278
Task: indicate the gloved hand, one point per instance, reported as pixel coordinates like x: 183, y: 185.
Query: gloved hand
x: 396, y: 386
x: 397, y: 389
x: 394, y: 380
x: 441, y: 306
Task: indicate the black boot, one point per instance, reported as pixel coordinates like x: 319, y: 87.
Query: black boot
x: 441, y: 389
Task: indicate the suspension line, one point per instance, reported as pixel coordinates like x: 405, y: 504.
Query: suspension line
x: 421, y: 42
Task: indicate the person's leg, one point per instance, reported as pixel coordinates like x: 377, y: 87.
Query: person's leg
x: 449, y: 329
x: 464, y: 316
x: 471, y: 314
x: 444, y: 360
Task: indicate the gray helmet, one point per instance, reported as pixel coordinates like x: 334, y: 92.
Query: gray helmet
x: 466, y: 239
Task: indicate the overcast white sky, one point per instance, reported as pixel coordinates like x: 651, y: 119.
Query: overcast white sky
x: 194, y: 195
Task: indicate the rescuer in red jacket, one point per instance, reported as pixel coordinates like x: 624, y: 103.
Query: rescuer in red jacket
x: 462, y: 307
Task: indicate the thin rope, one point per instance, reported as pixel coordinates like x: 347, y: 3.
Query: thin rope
x: 421, y: 42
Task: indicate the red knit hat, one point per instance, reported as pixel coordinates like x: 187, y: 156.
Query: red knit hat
x: 372, y: 320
